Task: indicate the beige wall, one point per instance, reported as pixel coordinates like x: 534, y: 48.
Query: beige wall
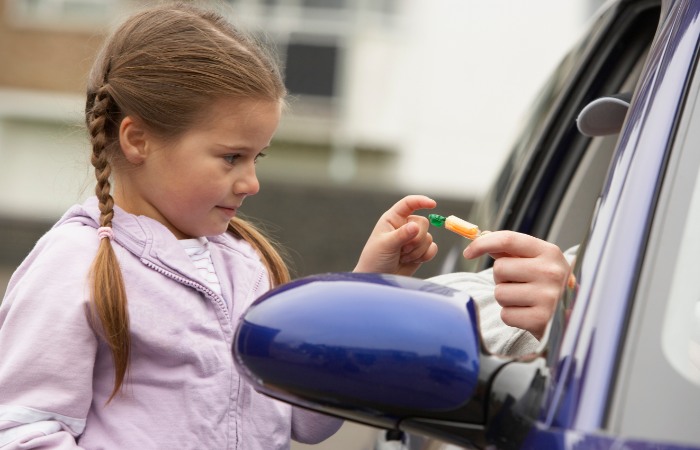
x: 43, y: 59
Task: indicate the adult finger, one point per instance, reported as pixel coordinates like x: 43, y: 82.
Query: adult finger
x: 508, y: 242
x: 509, y: 269
x: 523, y: 294
x: 533, y: 320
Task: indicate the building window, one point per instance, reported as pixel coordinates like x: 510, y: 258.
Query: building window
x: 323, y: 4
x: 310, y: 69
x: 314, y: 38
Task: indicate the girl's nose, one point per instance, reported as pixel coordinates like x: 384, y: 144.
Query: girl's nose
x: 247, y: 183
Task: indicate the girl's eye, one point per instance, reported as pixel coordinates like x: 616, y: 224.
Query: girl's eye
x: 231, y: 159
x: 234, y: 158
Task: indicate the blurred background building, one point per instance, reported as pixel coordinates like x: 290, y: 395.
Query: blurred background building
x: 389, y: 97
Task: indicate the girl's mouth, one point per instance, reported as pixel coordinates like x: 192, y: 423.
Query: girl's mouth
x: 228, y: 211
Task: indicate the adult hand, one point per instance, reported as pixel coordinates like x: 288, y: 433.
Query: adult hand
x: 400, y: 241
x: 529, y: 273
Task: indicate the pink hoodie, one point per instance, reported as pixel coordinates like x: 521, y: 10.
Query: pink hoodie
x: 182, y: 389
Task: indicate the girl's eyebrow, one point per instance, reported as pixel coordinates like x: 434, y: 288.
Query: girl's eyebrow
x: 242, y: 148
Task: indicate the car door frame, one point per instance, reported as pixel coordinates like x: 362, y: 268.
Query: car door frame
x: 609, y: 265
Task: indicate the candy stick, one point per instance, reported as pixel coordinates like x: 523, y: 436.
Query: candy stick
x: 456, y: 225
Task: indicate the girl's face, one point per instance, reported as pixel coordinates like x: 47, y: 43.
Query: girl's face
x: 194, y: 185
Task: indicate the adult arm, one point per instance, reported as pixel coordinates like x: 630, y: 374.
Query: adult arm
x: 497, y: 336
x: 529, y: 275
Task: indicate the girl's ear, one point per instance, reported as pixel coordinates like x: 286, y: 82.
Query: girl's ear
x: 132, y: 140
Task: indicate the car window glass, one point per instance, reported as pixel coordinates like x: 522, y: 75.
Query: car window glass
x: 659, y: 362
x: 529, y: 192
x: 575, y: 210
x: 615, y: 69
x: 681, y: 331
x: 487, y: 209
x: 541, y: 107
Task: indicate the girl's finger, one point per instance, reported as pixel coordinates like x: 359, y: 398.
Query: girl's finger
x: 408, y: 205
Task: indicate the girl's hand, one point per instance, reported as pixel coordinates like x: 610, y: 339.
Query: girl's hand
x: 400, y: 241
x: 530, y: 275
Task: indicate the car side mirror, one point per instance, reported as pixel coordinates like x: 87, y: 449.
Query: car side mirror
x: 373, y: 348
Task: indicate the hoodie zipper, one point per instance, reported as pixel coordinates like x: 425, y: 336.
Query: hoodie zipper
x: 256, y: 286
x: 187, y: 282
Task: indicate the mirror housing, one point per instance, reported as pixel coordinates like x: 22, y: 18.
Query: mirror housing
x: 372, y: 348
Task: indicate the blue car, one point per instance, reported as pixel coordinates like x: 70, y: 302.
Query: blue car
x: 620, y: 365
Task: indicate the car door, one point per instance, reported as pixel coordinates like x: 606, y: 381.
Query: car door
x: 627, y: 364
x: 623, y: 354
x: 549, y: 183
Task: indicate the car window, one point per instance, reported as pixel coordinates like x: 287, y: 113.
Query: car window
x: 551, y: 158
x: 564, y: 203
x: 488, y: 210
x: 680, y: 338
x: 544, y: 101
x: 575, y: 210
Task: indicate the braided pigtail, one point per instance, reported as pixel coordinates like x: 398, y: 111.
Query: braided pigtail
x: 276, y: 267
x: 109, y: 305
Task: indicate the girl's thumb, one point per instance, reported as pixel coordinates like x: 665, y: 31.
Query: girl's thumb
x: 405, y: 233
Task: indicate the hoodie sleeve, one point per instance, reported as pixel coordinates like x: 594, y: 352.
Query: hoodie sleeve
x: 48, y: 348
x: 310, y: 427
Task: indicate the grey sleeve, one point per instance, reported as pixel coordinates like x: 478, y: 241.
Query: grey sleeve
x: 497, y: 336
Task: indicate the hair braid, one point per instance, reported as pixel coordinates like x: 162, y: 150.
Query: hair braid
x: 108, y: 295
x: 99, y: 158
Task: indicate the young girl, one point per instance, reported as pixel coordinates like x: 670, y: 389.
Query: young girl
x: 116, y: 331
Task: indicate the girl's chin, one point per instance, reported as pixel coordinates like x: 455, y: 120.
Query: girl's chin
x: 217, y: 231
x: 213, y: 230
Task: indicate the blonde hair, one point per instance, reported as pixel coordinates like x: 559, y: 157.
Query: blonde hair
x: 165, y: 65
